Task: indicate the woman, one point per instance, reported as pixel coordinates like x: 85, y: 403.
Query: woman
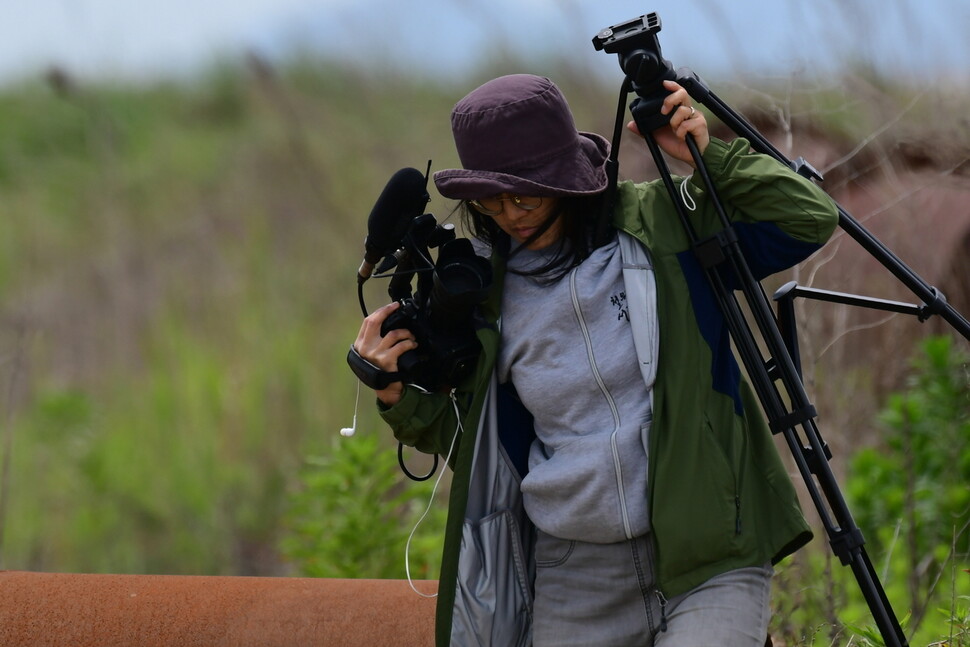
x: 614, y: 482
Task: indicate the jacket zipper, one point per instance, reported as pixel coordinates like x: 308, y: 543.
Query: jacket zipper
x: 739, y: 488
x: 617, y: 470
x: 661, y: 598
x: 663, y: 609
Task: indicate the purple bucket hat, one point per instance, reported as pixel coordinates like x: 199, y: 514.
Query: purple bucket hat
x: 515, y: 134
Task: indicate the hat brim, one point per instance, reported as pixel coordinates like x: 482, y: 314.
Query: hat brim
x: 583, y: 172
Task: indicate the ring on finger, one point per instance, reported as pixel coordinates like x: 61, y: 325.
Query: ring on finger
x: 692, y: 111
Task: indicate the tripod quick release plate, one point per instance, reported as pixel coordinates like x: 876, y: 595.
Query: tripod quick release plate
x: 614, y: 39
x: 637, y: 47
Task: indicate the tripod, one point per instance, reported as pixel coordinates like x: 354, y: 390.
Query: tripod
x: 775, y: 375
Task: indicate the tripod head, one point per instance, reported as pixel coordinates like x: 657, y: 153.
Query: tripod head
x: 635, y: 43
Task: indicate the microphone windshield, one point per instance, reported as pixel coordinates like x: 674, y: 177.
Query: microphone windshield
x: 403, y: 199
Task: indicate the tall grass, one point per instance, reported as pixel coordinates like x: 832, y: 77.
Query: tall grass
x: 179, y: 287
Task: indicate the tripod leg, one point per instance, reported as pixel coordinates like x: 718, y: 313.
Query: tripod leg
x: 723, y: 250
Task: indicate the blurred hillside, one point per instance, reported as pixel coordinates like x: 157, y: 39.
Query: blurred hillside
x: 178, y: 293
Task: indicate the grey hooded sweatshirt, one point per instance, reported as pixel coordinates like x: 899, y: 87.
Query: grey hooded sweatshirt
x: 568, y: 349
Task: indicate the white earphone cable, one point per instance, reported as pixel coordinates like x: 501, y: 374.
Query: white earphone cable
x: 347, y: 432
x: 434, y: 491
x: 685, y: 196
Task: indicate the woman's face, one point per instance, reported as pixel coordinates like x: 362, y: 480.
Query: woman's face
x: 520, y: 222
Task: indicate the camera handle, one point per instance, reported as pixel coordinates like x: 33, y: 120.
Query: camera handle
x: 811, y: 455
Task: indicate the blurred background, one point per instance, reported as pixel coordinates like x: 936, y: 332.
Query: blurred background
x: 184, y: 193
x: 139, y: 41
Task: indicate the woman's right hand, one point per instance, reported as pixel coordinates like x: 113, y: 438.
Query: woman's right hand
x: 684, y: 119
x: 384, y: 352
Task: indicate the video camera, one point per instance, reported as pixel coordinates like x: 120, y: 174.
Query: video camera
x: 440, y: 312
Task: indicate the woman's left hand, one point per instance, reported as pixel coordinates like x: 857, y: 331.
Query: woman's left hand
x: 684, y: 118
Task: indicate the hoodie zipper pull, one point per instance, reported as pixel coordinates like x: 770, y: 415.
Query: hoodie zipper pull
x: 663, y: 610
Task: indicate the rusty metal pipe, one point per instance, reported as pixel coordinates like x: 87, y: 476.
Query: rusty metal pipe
x: 58, y: 609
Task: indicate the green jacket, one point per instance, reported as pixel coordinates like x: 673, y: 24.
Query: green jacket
x: 720, y: 496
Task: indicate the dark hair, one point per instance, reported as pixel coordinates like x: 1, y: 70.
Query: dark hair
x: 578, y: 215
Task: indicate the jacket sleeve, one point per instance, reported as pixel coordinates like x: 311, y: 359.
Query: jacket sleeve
x: 425, y: 421
x: 779, y: 216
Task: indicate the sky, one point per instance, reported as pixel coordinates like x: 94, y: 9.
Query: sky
x: 147, y: 39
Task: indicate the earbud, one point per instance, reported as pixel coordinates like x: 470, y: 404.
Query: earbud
x: 347, y: 432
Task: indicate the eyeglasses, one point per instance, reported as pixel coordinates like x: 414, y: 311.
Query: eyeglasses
x: 494, y: 207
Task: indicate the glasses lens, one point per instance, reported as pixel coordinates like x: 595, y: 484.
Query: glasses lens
x: 494, y: 206
x: 489, y: 206
x: 527, y: 203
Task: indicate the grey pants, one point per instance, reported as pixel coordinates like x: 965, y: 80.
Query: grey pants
x: 603, y: 594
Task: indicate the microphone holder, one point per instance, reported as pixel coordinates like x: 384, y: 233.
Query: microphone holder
x: 787, y: 408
